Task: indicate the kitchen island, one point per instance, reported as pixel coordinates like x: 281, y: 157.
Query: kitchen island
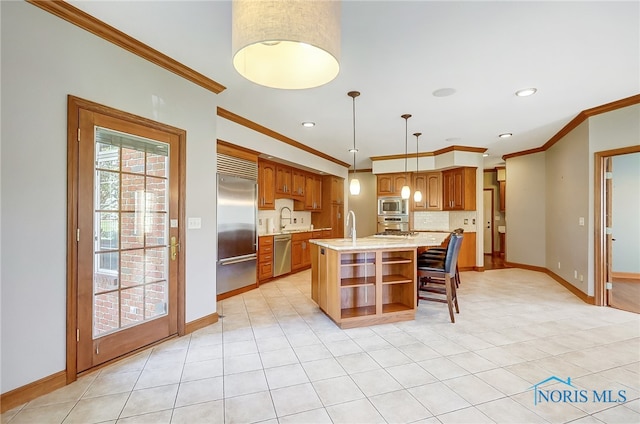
x: 367, y: 281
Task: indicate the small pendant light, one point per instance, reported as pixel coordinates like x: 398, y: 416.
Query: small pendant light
x: 417, y: 195
x: 405, y: 192
x: 354, y: 186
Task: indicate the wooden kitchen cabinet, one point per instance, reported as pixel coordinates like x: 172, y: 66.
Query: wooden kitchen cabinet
x: 459, y: 189
x: 390, y: 184
x: 503, y: 195
x: 336, y: 189
x: 430, y: 184
x: 298, y: 181
x: 313, y: 193
x: 265, y: 258
x: 266, y: 185
x: 337, y: 221
x: 283, y: 181
x: 300, y: 250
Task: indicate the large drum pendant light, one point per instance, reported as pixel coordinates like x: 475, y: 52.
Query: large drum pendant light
x: 288, y: 44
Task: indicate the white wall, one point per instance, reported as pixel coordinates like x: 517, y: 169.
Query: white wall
x: 526, y: 210
x: 43, y: 60
x: 626, y: 213
x: 567, y: 200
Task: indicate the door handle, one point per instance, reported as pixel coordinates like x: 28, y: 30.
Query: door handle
x: 174, y: 248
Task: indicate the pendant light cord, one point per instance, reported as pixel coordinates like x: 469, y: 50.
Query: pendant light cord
x: 406, y: 151
x: 354, y: 135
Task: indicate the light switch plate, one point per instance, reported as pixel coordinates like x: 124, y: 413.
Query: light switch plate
x: 581, y: 221
x: 194, y: 223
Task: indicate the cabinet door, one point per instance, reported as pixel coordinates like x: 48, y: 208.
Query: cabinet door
x: 317, y: 192
x: 283, y: 180
x: 419, y: 182
x: 386, y: 185
x: 296, y: 255
x: 337, y: 221
x: 266, y: 185
x: 298, y: 184
x: 306, y: 253
x: 433, y: 192
x: 399, y: 181
x: 309, y: 195
x: 503, y: 195
x: 337, y: 190
x: 458, y: 190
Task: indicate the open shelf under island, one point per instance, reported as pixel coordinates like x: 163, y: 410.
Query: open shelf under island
x: 367, y: 281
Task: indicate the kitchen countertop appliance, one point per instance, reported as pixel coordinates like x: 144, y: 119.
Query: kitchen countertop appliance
x: 236, y: 223
x: 389, y: 223
x: 393, y: 206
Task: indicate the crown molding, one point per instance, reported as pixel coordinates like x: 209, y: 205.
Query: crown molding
x: 105, y: 31
x: 435, y: 153
x: 224, y: 113
x: 579, y: 119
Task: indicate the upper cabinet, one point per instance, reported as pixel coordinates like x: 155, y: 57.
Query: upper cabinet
x: 313, y: 192
x: 391, y: 184
x: 298, y: 181
x: 283, y: 181
x: 430, y: 184
x: 266, y: 185
x: 336, y: 189
x: 459, y: 189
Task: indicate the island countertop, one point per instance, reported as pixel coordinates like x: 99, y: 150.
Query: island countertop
x: 376, y: 243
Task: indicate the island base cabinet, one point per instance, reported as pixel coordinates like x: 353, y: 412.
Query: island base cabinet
x: 363, y: 288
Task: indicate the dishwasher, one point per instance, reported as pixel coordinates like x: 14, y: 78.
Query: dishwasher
x: 281, y: 254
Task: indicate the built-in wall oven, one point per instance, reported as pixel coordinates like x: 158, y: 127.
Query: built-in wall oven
x: 388, y: 224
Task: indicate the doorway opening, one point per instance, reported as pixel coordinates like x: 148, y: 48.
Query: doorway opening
x: 617, y: 235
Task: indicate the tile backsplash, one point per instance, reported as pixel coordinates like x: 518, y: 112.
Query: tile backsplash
x: 302, y: 218
x: 444, y: 221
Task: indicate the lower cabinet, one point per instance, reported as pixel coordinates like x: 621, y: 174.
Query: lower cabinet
x: 265, y: 258
x: 358, y: 288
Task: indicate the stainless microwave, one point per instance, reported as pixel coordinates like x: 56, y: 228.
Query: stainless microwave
x: 393, y: 206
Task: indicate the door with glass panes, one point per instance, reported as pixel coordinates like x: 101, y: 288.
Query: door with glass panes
x: 127, y: 237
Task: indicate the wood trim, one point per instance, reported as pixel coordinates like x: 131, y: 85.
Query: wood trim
x: 223, y: 113
x: 478, y: 268
x: 573, y: 289
x: 580, y: 118
x: 199, y: 323
x: 105, y: 31
x: 230, y: 149
x: 24, y: 394
x: 231, y: 293
x: 626, y: 275
x: 363, y: 170
x: 434, y: 153
x: 460, y: 149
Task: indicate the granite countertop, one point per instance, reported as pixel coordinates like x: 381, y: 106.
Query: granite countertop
x: 374, y: 242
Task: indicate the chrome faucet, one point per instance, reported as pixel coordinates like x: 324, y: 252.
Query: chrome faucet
x: 353, y: 227
x: 281, y: 218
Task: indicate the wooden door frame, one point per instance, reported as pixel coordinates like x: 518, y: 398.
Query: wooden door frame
x: 492, y: 190
x: 600, y: 235
x: 74, y: 105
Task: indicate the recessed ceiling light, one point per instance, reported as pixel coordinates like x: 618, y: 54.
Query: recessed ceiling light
x: 353, y: 150
x: 308, y: 124
x: 444, y: 92
x: 484, y: 155
x: 526, y: 92
x: 505, y: 135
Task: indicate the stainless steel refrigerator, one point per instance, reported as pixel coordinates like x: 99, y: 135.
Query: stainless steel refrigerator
x: 237, y: 234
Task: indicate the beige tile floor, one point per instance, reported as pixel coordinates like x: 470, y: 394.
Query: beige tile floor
x: 275, y: 358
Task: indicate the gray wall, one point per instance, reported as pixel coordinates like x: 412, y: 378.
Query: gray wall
x: 526, y: 210
x: 567, y: 200
x: 364, y: 205
x: 626, y: 213
x: 491, y: 181
x: 43, y: 60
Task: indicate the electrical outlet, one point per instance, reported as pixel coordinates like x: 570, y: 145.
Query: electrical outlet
x: 581, y: 277
x: 259, y: 221
x: 473, y: 221
x: 295, y: 220
x: 466, y: 222
x: 558, y: 264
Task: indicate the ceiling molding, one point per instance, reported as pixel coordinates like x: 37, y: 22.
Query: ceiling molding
x: 579, y: 119
x: 105, y: 31
x: 231, y: 149
x: 223, y: 113
x: 429, y: 154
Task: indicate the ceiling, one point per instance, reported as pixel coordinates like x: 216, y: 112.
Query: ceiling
x: 578, y: 54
